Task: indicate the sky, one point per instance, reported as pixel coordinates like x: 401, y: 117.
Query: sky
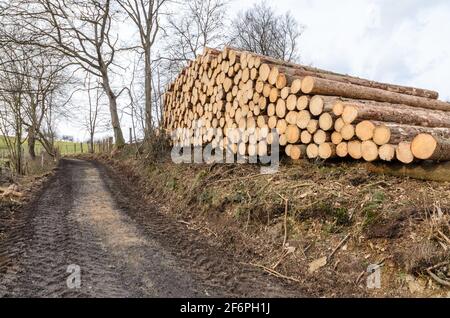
x: 406, y: 42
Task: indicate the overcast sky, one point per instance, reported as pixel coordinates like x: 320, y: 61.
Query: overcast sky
x: 403, y: 41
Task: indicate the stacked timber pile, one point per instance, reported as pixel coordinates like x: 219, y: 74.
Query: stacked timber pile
x: 234, y: 99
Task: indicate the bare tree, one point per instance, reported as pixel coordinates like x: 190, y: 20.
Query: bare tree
x: 81, y: 30
x: 261, y: 30
x: 145, y: 14
x: 12, y: 87
x: 200, y: 23
x: 46, y: 77
x: 94, y: 116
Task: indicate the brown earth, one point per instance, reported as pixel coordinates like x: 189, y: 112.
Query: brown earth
x: 125, y: 246
x: 337, y: 211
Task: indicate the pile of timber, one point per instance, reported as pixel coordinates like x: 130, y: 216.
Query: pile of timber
x: 235, y: 100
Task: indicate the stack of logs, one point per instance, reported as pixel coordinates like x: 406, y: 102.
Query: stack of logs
x: 234, y: 100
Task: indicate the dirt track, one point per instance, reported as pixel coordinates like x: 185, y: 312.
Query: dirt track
x: 124, y: 249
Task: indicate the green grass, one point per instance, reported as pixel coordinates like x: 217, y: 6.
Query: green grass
x: 65, y: 147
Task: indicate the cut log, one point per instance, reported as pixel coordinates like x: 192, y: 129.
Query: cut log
x: 281, y: 108
x: 402, y: 114
x: 274, y: 95
x: 355, y: 149
x: 285, y: 93
x: 327, y: 150
x: 288, y: 149
x: 404, y: 153
x: 382, y: 135
x: 281, y: 126
x: 338, y: 109
x: 312, y: 151
x: 429, y: 147
x: 313, y: 126
x: 302, y: 71
x: 347, y: 132
x: 369, y: 151
x: 303, y: 119
x: 292, y: 117
x: 283, y: 140
x: 292, y: 134
x: 297, y: 152
x: 336, y: 138
x: 303, y: 102
x: 305, y: 137
x: 312, y: 85
x: 291, y: 102
x: 296, y: 86
x: 394, y: 133
x: 326, y: 122
x: 365, y: 130
x: 321, y: 137
x: 339, y: 124
x: 272, y: 123
x: 319, y: 104
x: 342, y: 150
x: 387, y: 152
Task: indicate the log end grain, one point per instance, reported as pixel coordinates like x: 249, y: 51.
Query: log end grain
x: 365, y: 130
x: 369, y: 151
x: 316, y: 105
x: 307, y: 85
x: 382, y: 135
x: 424, y: 146
x: 404, y: 153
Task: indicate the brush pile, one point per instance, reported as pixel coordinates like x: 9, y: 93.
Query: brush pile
x: 240, y: 102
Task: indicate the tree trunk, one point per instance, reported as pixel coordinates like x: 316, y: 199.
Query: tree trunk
x: 118, y: 135
x: 148, y: 95
x: 313, y: 85
x: 91, y: 144
x: 32, y: 143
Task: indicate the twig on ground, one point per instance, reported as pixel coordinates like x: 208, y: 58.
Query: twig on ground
x: 437, y: 279
x: 286, y: 207
x: 444, y: 236
x: 273, y: 272
x: 359, y: 277
x: 339, y: 246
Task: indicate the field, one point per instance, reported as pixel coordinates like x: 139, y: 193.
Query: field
x: 65, y: 147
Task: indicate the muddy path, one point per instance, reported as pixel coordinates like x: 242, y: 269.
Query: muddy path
x: 86, y: 235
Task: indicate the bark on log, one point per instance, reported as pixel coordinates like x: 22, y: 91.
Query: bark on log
x: 302, y: 71
x: 402, y: 114
x: 314, y: 85
x: 429, y: 147
x: 394, y: 133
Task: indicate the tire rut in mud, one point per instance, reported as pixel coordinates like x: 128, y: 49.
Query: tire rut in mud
x: 125, y: 248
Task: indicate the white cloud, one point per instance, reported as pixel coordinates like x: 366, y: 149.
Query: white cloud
x: 404, y: 41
